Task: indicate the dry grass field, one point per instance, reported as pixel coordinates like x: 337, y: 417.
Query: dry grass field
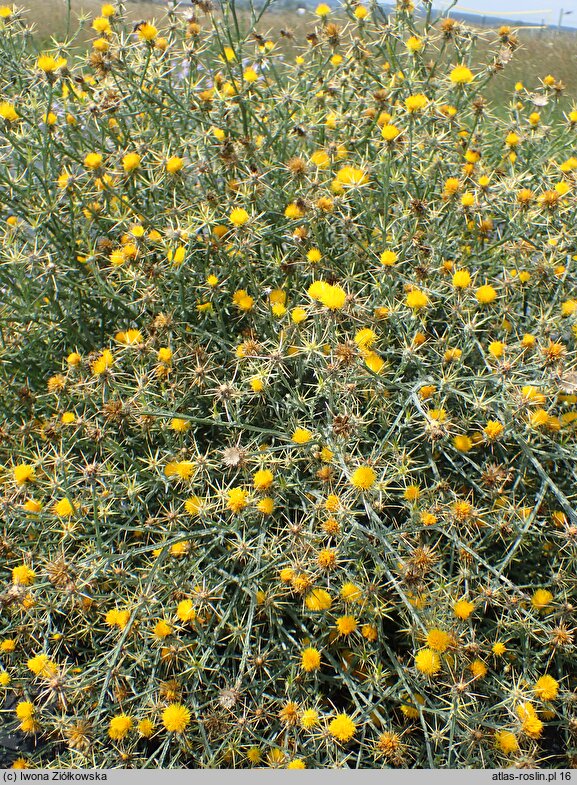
x: 49, y: 17
x: 549, y: 49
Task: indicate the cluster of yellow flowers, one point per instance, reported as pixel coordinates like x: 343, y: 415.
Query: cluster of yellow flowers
x: 289, y: 399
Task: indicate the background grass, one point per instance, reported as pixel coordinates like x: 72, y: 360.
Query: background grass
x: 49, y: 17
x: 540, y: 52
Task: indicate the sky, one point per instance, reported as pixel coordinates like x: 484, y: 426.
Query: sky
x: 523, y: 10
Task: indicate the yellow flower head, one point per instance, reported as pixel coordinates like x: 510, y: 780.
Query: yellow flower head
x: 363, y: 477
x: 318, y: 600
x: 478, y: 669
x: 50, y: 64
x: 130, y: 162
x: 176, y: 718
x: 486, y: 294
x: 146, y: 728
x: 23, y: 473
x: 298, y: 315
x: 463, y: 609
x: 237, y: 499
x: 390, y: 132
x: 301, y: 436
x: 428, y: 662
x: 541, y: 599
x: 102, y: 25
x: 239, y: 216
x: 342, y: 728
x: 506, y: 741
x: 162, y: 629
x: 8, y: 112
x: 461, y: 279
x: 531, y: 725
x: 184, y: 470
x: 365, y: 338
x: 310, y: 659
x: 416, y: 103
x: 351, y: 177
x: 414, y: 44
x: 147, y: 32
x: 179, y: 425
x: 117, y: 618
x: 461, y: 75
x: 174, y: 164
x: 309, y: 719
x: 186, y: 611
x: 438, y: 640
x: 93, y: 161
x: 119, y: 726
x: 546, y: 688
x: 320, y: 159
x: 250, y: 75
x: 512, y: 139
x: 263, y: 479
x: 331, y: 296
x: 493, y: 430
x: 23, y: 575
x: 42, y: 665
x: 350, y: 592
x: 25, y: 710
x: 463, y: 443
x: 164, y: 355
x: 346, y: 625
x: 64, y: 508
x: 417, y: 300
x: 266, y: 505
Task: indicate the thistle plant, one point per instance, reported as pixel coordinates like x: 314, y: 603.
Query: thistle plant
x: 289, y: 396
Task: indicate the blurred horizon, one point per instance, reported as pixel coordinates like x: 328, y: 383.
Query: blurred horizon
x: 536, y: 12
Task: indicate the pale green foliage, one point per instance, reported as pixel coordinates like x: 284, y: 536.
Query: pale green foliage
x: 172, y: 542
